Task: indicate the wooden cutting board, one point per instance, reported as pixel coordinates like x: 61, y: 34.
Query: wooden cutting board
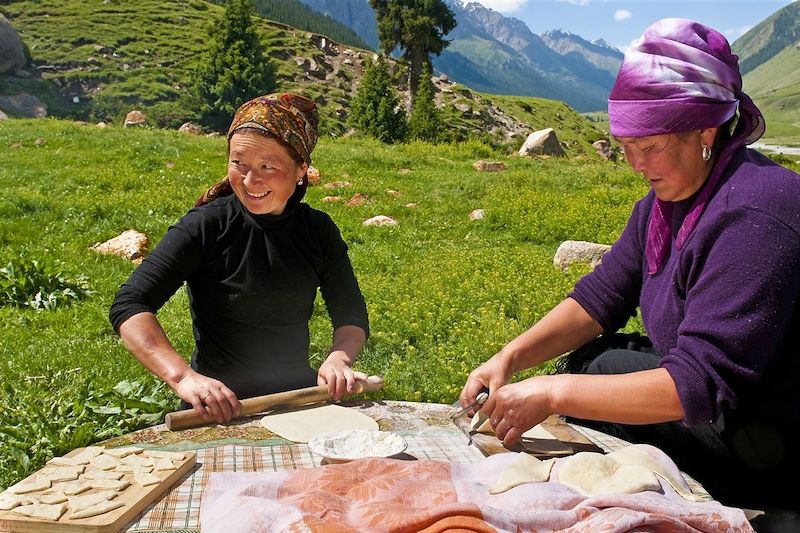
x: 135, y: 499
x: 568, y: 441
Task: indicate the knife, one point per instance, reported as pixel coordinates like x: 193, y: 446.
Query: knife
x: 480, y: 399
x: 188, y: 418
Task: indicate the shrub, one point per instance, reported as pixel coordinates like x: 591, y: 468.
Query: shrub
x: 374, y: 110
x: 236, y: 68
x: 31, y: 284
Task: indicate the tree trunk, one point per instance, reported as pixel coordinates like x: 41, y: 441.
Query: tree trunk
x: 416, y: 58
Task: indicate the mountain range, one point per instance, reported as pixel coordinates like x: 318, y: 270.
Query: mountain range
x: 135, y: 58
x: 495, y: 54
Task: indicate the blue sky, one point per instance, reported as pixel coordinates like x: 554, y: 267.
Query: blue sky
x: 619, y: 22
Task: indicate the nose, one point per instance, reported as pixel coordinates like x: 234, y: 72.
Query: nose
x: 635, y: 161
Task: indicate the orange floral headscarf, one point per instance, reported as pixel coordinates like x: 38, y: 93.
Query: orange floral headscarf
x: 288, y: 117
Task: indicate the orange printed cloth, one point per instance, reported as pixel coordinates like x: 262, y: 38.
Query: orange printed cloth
x: 390, y: 495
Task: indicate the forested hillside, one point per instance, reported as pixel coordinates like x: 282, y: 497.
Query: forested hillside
x: 297, y: 15
x: 96, y: 61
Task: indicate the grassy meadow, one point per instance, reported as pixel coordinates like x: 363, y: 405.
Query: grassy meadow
x: 444, y: 293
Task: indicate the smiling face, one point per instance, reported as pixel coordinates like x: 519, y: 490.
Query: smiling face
x: 672, y: 163
x: 262, y: 172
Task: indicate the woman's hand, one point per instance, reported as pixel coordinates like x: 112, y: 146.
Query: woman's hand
x: 515, y: 408
x: 336, y: 373
x: 491, y: 375
x: 208, y: 396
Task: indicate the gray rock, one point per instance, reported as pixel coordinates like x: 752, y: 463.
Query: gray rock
x: 12, y: 50
x: 604, y: 150
x: 570, y: 252
x: 542, y: 142
x: 23, y: 105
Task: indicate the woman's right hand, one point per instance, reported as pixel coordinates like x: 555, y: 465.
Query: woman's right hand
x: 209, y: 397
x: 491, y: 375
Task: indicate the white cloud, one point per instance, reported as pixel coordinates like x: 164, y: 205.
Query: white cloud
x: 503, y: 6
x: 579, y: 2
x: 621, y: 14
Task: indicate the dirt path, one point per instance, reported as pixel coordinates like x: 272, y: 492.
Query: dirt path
x: 787, y: 150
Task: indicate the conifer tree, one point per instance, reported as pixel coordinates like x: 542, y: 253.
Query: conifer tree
x: 417, y: 27
x: 374, y: 110
x: 425, y: 123
x: 235, y: 69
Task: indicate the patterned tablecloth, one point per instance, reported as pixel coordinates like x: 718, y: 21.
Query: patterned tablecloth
x: 245, y: 446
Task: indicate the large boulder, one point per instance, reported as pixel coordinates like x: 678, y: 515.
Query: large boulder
x: 604, y: 150
x: 570, y: 252
x: 130, y: 244
x: 542, y: 142
x: 134, y: 118
x: 12, y: 50
x: 23, y: 106
x: 191, y: 128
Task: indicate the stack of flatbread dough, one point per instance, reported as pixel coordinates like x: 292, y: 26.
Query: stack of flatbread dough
x: 625, y: 471
x: 88, y: 483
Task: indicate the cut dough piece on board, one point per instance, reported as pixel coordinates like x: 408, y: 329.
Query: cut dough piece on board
x: 102, y: 474
x: 137, y: 461
x: 98, y: 509
x: 162, y: 464
x: 159, y: 454
x: 62, y: 461
x: 56, y: 497
x: 70, y: 488
x: 62, y: 473
x: 523, y: 469
x: 42, y: 511
x: 130, y: 469
x: 121, y: 452
x: 79, y: 503
x: 104, y: 462
x: 25, y: 487
x: 9, y: 501
x: 87, y: 454
x: 481, y: 422
x: 109, y: 484
x: 302, y: 425
x: 145, y: 478
x: 595, y: 474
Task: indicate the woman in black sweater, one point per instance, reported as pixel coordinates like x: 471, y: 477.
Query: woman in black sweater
x: 252, y: 256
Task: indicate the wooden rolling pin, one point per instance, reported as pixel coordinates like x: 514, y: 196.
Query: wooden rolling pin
x: 189, y: 418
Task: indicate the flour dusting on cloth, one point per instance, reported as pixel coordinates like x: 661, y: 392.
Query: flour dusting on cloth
x: 369, y: 495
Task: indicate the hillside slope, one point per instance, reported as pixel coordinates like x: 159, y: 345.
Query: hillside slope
x: 114, y: 57
x: 764, y: 41
x: 500, y: 55
x: 769, y: 56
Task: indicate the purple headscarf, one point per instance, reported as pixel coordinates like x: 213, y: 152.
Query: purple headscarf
x: 681, y: 76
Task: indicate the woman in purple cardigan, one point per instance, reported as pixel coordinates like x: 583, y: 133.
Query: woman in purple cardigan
x: 711, y: 256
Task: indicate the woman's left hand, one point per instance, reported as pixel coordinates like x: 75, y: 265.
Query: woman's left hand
x: 338, y: 376
x: 515, y: 408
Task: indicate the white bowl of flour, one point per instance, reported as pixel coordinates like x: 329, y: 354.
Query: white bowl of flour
x: 342, y: 446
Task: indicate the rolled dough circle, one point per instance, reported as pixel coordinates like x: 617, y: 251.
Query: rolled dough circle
x: 301, y: 425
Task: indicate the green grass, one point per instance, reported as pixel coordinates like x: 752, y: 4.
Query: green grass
x: 444, y: 293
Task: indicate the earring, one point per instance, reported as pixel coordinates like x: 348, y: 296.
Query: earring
x: 706, y: 152
x: 300, y: 181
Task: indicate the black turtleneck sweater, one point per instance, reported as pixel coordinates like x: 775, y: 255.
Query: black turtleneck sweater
x: 252, y: 281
